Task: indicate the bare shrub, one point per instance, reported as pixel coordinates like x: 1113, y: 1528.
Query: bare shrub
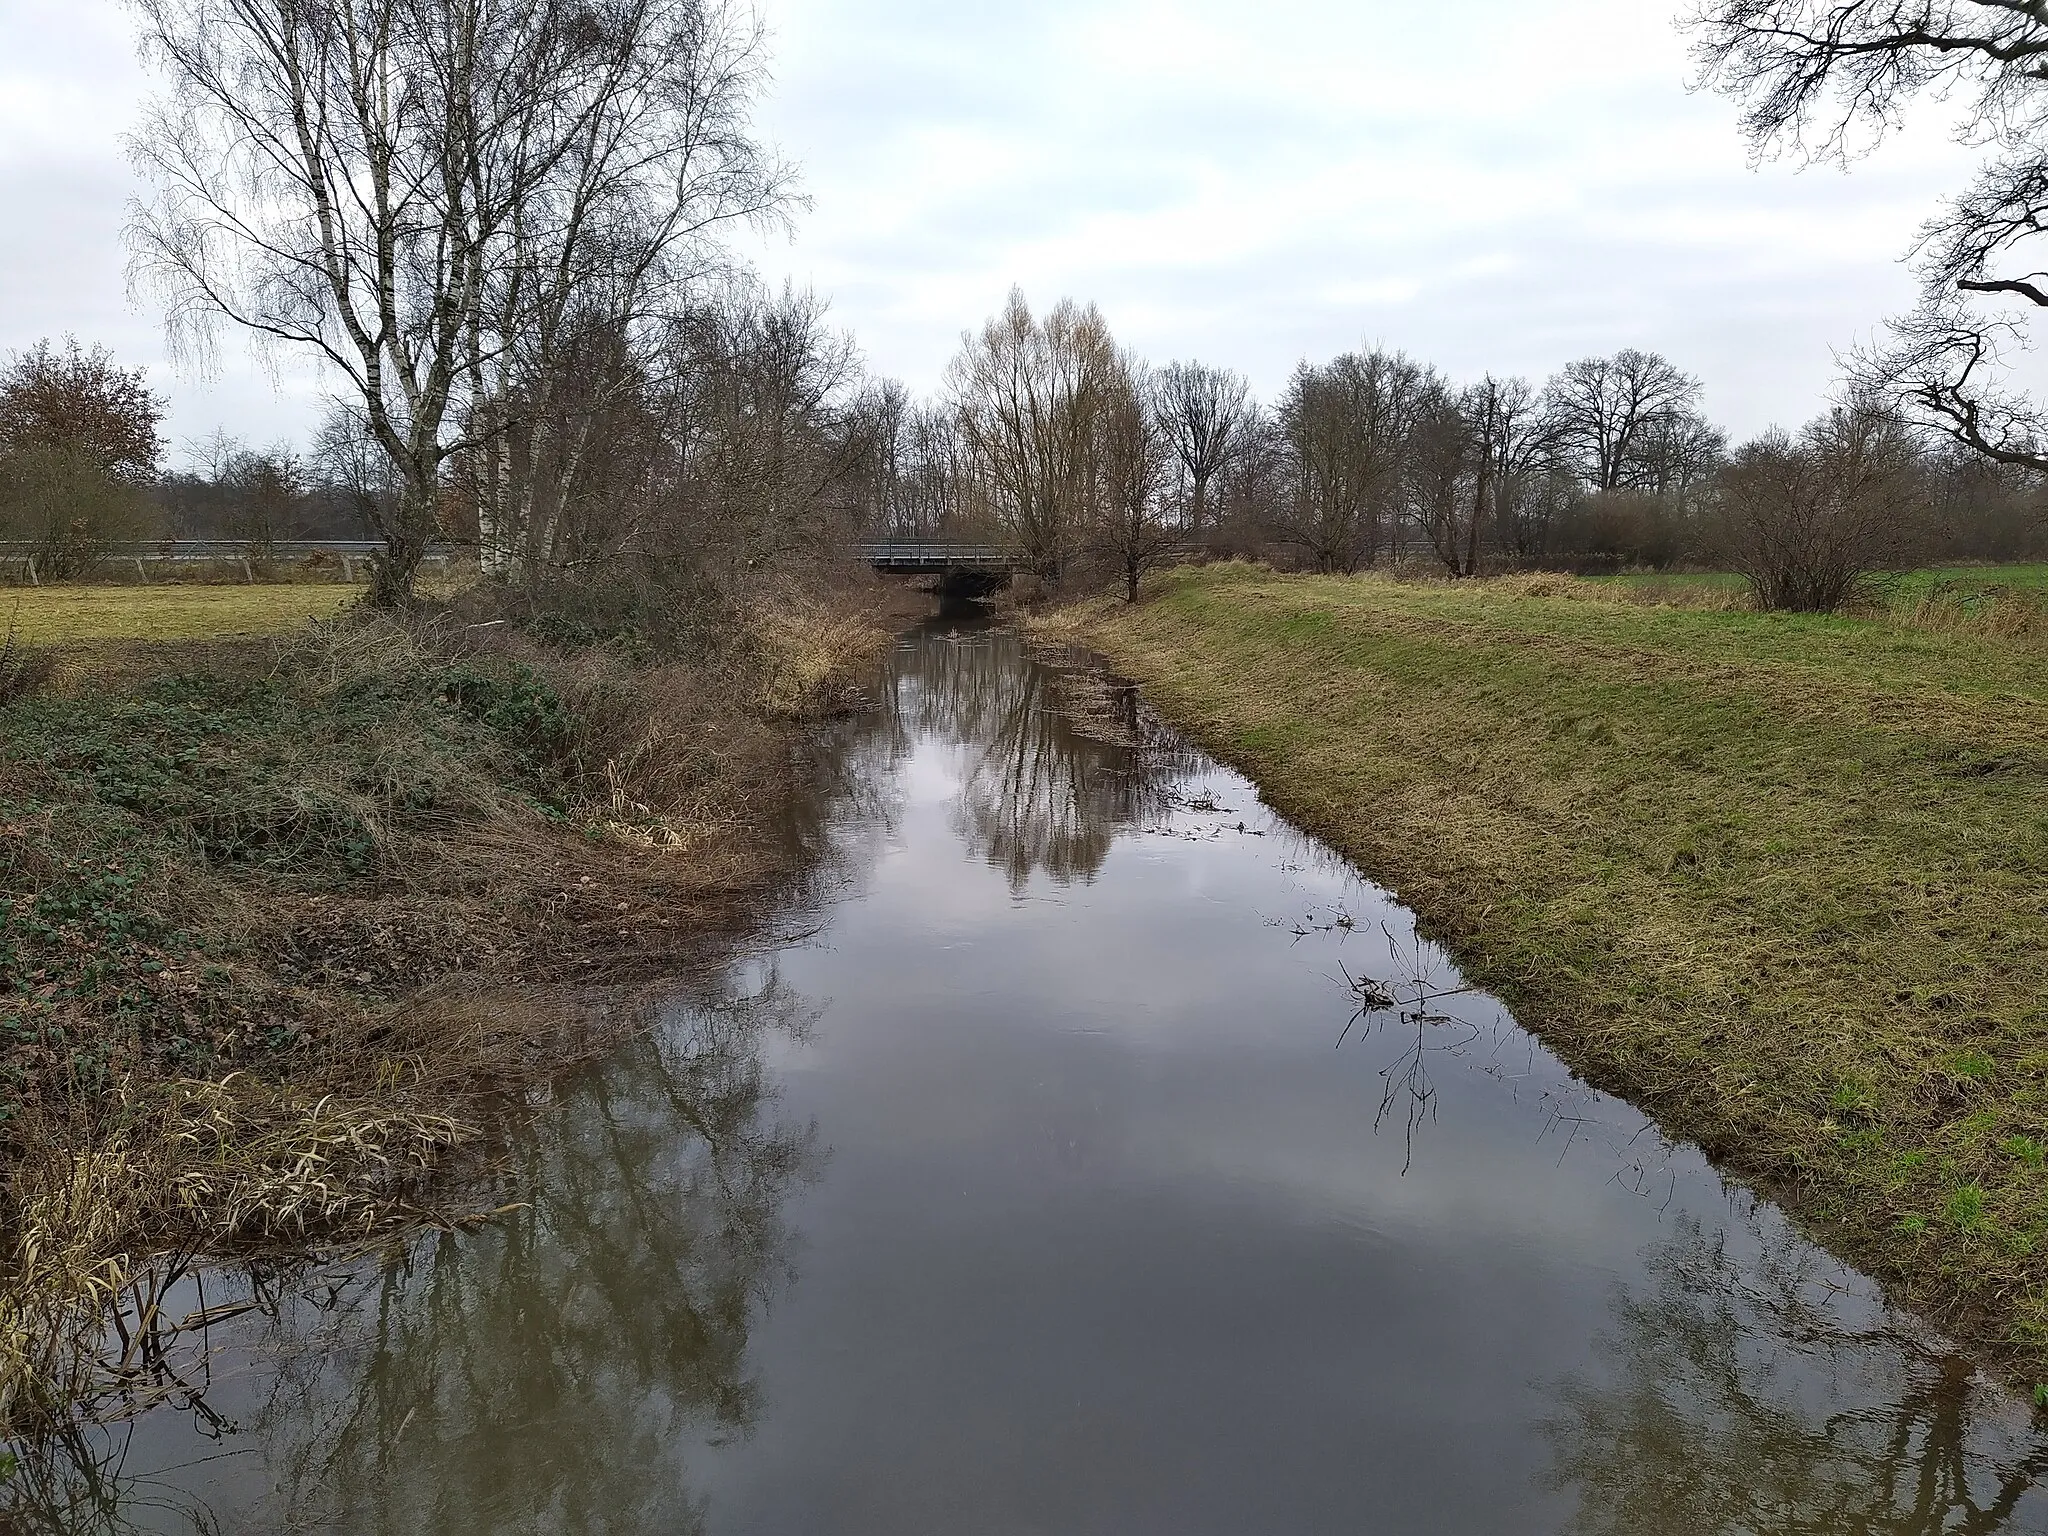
x: 1807, y: 520
x: 67, y: 510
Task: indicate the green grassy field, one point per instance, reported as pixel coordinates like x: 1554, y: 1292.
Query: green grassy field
x: 1781, y: 880
x: 74, y: 615
x: 1894, y: 589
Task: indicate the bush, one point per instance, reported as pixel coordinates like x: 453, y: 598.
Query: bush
x: 67, y: 512
x: 1617, y: 530
x: 1808, y: 520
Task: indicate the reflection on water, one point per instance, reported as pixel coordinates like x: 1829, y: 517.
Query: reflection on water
x: 542, y: 1376
x: 1132, y: 1167
x: 1039, y: 791
x: 1740, y: 1399
x: 543, y: 1373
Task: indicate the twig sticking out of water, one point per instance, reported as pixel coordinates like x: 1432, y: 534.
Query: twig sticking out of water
x: 1406, y: 1081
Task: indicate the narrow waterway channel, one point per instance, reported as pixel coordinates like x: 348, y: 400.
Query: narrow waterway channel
x: 1095, y: 1154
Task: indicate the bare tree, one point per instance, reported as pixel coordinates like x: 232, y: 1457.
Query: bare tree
x: 1205, y: 413
x: 1830, y: 78
x: 266, y: 493
x: 912, y: 476
x: 1449, y: 464
x: 1135, y: 456
x: 929, y: 495
x: 1606, y: 411
x: 352, y: 465
x: 1476, y: 456
x: 426, y: 193
x: 1249, y: 494
x: 1347, y: 426
x: 1027, y: 395
x: 1807, y: 519
x: 1679, y: 453
x: 1520, y: 498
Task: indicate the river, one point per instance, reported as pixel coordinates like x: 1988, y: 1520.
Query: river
x: 1084, y: 1150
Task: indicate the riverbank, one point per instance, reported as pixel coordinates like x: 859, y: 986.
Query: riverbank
x: 280, y: 919
x: 1783, y: 881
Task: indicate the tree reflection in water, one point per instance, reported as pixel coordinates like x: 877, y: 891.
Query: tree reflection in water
x: 549, y: 1373
x: 1039, y: 791
x: 1725, y: 1416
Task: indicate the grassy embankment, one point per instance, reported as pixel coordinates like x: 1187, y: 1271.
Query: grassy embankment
x: 281, y: 918
x: 1781, y: 880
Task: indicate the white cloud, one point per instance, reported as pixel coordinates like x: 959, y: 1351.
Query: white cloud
x: 1496, y: 185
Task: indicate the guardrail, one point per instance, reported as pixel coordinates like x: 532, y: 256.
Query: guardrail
x: 349, y: 555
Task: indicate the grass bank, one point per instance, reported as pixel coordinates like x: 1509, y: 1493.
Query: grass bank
x: 1781, y: 880
x: 281, y: 920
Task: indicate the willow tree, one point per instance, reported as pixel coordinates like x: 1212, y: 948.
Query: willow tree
x: 428, y: 194
x: 1028, y: 394
x: 1829, y: 78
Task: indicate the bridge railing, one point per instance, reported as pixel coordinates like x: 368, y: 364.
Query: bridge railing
x: 934, y: 555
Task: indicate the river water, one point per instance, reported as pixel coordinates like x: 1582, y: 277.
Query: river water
x: 1087, y: 1152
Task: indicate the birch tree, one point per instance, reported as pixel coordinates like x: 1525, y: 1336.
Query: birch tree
x: 428, y: 195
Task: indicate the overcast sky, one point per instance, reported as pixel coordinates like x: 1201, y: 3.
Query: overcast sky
x: 1503, y: 184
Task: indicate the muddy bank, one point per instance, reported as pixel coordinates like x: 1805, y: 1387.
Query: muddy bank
x: 286, y: 923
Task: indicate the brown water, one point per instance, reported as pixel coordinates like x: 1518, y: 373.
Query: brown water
x: 1062, y: 1172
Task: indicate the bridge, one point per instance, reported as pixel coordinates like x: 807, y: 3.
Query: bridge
x: 937, y: 557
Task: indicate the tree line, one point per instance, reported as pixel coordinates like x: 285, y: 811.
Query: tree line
x: 1078, y: 454
x: 754, y: 443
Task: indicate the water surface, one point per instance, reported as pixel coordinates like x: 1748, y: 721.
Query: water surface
x: 1095, y: 1155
